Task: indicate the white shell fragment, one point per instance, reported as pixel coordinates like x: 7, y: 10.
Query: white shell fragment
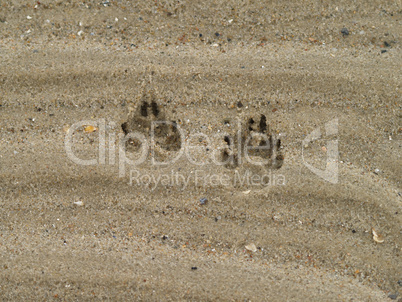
x: 251, y: 247
x: 376, y: 236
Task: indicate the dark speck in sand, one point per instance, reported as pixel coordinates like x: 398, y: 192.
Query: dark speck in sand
x: 345, y: 31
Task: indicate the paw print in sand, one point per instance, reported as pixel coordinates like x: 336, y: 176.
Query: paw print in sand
x: 254, y: 144
x: 147, y: 117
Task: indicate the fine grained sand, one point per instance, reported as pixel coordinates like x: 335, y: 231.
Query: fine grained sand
x: 74, y: 232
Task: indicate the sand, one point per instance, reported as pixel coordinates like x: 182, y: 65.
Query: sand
x: 102, y: 231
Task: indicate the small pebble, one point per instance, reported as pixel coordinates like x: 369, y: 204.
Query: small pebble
x: 90, y: 129
x: 194, y: 268
x: 345, y: 31
x: 203, y: 201
x: 384, y: 51
x: 393, y: 296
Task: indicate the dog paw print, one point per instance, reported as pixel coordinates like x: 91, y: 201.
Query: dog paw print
x: 253, y: 144
x: 148, y: 118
